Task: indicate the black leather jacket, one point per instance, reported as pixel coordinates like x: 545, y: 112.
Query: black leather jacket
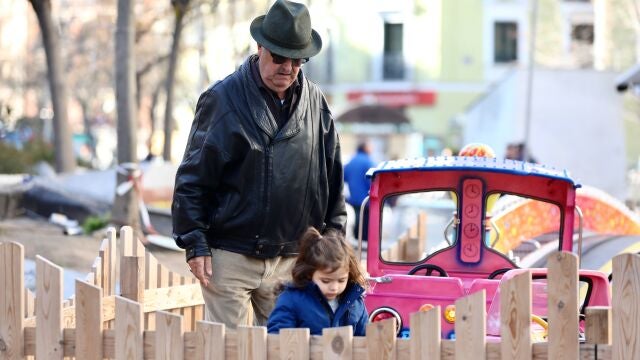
x: 247, y: 187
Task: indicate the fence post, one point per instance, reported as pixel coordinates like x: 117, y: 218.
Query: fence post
x: 88, y: 321
x: 132, y: 278
x: 425, y: 338
x: 129, y: 327
x: 48, y: 310
x: 169, y: 336
x: 252, y: 342
x: 337, y: 343
x: 626, y: 308
x: 598, y: 325
x: 11, y: 301
x: 294, y: 344
x: 562, y: 284
x: 210, y: 341
x: 381, y: 339
x: 515, y: 317
x: 471, y: 321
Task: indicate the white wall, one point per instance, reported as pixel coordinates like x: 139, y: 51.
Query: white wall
x: 576, y: 123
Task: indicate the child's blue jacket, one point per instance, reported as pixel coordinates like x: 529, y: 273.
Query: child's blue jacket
x: 308, y: 308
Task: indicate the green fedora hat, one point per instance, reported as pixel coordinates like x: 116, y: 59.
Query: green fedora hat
x: 286, y: 31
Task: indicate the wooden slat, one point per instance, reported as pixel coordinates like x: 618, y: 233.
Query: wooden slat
x: 597, y: 329
x: 252, y: 343
x: 470, y: 326
x: 626, y: 307
x: 156, y: 299
x: 169, y: 343
x: 29, y: 303
x: 515, y: 317
x: 108, y: 255
x: 96, y: 268
x: 132, y: 279
x: 294, y: 344
x: 163, y: 276
x: 425, y: 335
x: 128, y: 330
x: 48, y: 309
x: 381, y: 337
x: 12, y: 300
x: 126, y: 242
x: 88, y: 321
x: 210, y: 340
x: 337, y: 343
x: 151, y: 272
x: 562, y: 285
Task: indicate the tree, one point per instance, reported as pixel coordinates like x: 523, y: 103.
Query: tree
x: 180, y: 8
x: 64, y: 158
x: 125, y: 206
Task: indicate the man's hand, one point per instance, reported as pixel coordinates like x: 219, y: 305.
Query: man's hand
x: 200, y: 267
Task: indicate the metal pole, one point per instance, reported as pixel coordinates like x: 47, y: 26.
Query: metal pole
x: 532, y: 51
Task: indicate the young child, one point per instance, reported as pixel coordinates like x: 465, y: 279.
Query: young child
x: 326, y: 289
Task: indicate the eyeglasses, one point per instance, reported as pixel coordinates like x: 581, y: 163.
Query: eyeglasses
x: 279, y: 60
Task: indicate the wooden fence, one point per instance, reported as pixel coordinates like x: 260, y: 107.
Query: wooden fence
x: 98, y: 324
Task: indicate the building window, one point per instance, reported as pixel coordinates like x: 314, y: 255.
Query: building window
x: 505, y: 48
x: 582, y: 45
x: 393, y: 62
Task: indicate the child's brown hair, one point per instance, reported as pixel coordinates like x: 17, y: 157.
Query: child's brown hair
x: 325, y: 251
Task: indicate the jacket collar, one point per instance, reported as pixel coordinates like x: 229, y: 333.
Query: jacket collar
x: 259, y: 110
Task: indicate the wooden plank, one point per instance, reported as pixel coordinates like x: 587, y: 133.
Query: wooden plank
x: 108, y: 254
x: 169, y: 343
x: 626, y: 307
x: 210, y: 340
x: 128, y: 330
x: 294, y: 344
x: 151, y: 272
x: 381, y: 337
x: 598, y: 325
x: 515, y: 317
x: 163, y: 276
x: 252, y: 342
x: 29, y: 303
x: 470, y: 326
x: 425, y: 335
x: 96, y: 268
x: 126, y: 241
x: 48, y: 309
x: 12, y: 301
x: 88, y: 321
x: 337, y: 343
x: 562, y: 285
x: 132, y: 279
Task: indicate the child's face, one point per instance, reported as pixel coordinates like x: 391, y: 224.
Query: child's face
x: 331, y: 284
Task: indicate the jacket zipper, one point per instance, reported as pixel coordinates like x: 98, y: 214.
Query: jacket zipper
x: 267, y: 181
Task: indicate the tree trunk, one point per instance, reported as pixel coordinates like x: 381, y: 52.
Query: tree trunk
x: 125, y: 206
x: 180, y: 8
x: 65, y: 161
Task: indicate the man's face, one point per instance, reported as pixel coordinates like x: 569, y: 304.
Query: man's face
x: 277, y: 77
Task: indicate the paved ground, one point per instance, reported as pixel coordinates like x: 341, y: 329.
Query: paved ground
x: 39, y: 237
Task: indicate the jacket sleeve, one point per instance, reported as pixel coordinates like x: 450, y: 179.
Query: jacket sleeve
x: 283, y: 315
x: 361, y: 327
x: 196, y: 180
x: 336, y: 217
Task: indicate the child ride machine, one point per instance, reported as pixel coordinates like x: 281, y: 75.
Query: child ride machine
x: 432, y: 241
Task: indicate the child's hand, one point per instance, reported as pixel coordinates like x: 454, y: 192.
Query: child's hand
x: 200, y: 267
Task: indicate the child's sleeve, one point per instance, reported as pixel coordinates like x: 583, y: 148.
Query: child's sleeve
x: 361, y: 325
x: 283, y: 315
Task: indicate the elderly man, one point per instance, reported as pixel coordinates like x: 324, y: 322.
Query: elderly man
x: 261, y: 166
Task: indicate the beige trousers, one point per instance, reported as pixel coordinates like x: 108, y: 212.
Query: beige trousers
x: 241, y: 290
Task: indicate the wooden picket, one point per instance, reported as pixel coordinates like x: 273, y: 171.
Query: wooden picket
x: 156, y: 316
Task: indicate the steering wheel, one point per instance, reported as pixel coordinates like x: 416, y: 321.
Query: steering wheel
x: 498, y: 272
x: 430, y: 269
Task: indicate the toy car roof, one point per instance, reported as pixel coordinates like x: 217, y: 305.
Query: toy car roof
x: 468, y: 163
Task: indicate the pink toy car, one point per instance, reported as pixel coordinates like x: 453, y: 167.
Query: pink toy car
x: 432, y: 238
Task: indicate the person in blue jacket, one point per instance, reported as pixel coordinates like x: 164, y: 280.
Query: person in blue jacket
x: 326, y: 290
x: 355, y: 177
